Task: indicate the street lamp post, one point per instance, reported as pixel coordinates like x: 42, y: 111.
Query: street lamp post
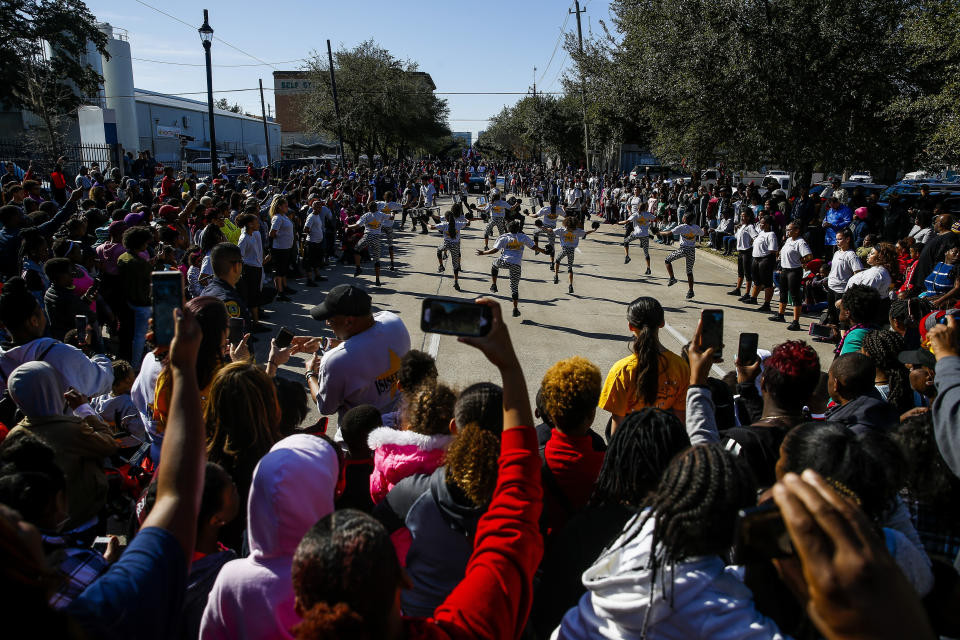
x: 206, y: 36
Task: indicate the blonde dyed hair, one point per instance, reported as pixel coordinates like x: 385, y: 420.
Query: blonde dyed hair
x: 570, y: 390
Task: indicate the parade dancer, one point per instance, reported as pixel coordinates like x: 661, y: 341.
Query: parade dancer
x: 372, y: 222
x: 641, y: 218
x: 511, y: 246
x: 497, y: 210
x: 391, y: 209
x: 569, y: 239
x: 549, y: 216
x: 451, y: 241
x: 688, y: 233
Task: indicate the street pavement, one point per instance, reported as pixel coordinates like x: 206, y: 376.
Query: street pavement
x: 554, y: 324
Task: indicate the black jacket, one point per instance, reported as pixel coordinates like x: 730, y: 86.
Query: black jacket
x: 865, y: 413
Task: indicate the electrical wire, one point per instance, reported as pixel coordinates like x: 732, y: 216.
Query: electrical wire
x: 439, y: 93
x: 563, y: 28
x: 218, y: 66
x: 221, y: 40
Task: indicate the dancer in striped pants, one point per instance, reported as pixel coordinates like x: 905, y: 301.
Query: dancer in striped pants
x: 688, y: 246
x: 511, y: 245
x: 451, y: 242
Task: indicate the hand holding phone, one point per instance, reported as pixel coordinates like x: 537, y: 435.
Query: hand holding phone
x: 747, y: 349
x: 712, y: 332
x: 236, y: 330
x: 451, y: 316
x: 283, y: 338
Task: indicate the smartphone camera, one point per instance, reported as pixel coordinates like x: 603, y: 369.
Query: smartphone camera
x: 454, y: 317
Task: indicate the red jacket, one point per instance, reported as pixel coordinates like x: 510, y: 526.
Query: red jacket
x: 575, y: 465
x: 493, y: 600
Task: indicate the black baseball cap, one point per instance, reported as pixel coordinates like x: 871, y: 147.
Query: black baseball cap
x: 920, y: 357
x: 343, y: 300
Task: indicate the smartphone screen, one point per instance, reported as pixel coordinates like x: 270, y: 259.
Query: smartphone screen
x: 167, y: 295
x: 712, y: 335
x: 761, y: 534
x: 455, y: 317
x: 80, y: 322
x: 820, y: 330
x: 284, y: 338
x: 236, y: 330
x: 747, y: 350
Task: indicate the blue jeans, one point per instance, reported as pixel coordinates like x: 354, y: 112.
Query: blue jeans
x: 141, y: 320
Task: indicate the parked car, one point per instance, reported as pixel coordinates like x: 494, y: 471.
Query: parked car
x: 477, y: 182
x: 910, y: 191
x: 866, y: 187
x: 777, y: 180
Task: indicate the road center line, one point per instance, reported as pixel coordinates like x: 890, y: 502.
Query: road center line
x: 679, y: 338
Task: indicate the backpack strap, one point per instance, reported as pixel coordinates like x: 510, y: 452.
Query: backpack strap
x: 550, y: 483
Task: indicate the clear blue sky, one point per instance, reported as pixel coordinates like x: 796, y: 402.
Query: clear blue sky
x: 481, y: 46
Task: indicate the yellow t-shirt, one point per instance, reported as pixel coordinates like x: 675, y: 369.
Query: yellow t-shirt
x: 619, y: 395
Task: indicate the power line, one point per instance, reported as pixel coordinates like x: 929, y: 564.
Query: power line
x: 218, y: 66
x: 173, y: 17
x: 555, y: 46
x: 363, y: 92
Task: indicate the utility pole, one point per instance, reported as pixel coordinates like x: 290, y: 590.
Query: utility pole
x: 536, y: 107
x: 583, y: 97
x: 266, y: 132
x: 336, y: 106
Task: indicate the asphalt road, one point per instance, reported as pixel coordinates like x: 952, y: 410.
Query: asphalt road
x: 554, y: 324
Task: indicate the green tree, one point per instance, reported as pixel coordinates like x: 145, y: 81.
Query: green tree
x: 224, y: 105
x: 41, y: 63
x: 386, y: 104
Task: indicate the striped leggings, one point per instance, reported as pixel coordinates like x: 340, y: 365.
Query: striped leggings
x: 550, y: 233
x: 499, y: 223
x: 567, y: 252
x: 388, y: 234
x: 454, y: 248
x: 371, y: 242
x: 514, y: 269
x: 687, y: 252
x: 644, y: 243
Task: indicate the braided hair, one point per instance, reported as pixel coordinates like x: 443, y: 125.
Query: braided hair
x: 645, y: 316
x: 639, y: 452
x: 883, y: 347
x: 695, y: 509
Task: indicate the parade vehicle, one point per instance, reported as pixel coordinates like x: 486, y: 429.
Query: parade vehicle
x: 477, y: 182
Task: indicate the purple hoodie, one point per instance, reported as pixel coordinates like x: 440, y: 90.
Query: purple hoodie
x: 293, y: 487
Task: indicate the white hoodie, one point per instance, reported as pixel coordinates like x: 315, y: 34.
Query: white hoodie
x: 293, y: 487
x: 709, y: 600
x: 90, y: 376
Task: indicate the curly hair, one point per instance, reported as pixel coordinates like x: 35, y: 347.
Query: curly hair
x: 471, y: 463
x: 862, y: 303
x: 481, y: 403
x: 884, y: 347
x: 887, y: 258
x: 570, y: 391
x: 429, y: 409
x: 791, y: 373
x: 928, y: 479
x: 345, y: 576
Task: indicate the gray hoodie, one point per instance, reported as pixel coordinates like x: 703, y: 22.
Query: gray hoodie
x: 90, y: 376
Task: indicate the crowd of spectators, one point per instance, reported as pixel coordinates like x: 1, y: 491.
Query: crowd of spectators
x: 793, y: 498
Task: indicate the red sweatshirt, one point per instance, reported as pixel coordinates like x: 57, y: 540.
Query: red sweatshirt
x: 493, y: 600
x: 575, y: 465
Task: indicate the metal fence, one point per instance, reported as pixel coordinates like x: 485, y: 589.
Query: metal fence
x: 43, y: 159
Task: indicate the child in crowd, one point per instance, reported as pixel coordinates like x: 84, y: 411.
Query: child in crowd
x: 419, y: 446
x: 116, y: 408
x: 868, y: 242
x: 61, y: 301
x: 356, y: 426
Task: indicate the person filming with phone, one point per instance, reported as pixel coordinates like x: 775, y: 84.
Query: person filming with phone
x: 362, y: 365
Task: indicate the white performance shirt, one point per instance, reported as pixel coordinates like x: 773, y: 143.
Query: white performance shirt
x: 641, y: 223
x: 792, y: 252
x: 764, y: 244
x: 428, y: 193
x: 444, y: 226
x: 570, y: 238
x: 390, y: 209
x: 511, y: 246
x: 745, y: 235
x: 688, y: 234
x: 364, y: 368
x: 550, y: 218
x: 498, y: 208
x: 372, y: 221
x: 284, y: 228
x: 842, y: 268
x: 634, y: 203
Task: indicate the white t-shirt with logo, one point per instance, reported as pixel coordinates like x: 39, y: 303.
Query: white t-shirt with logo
x: 498, y: 208
x: 688, y: 234
x: 570, y: 238
x: 792, y: 251
x: 511, y: 246
x: 372, y: 221
x: 842, y: 267
x: 641, y: 223
x: 444, y: 226
x: 364, y: 368
x: 634, y: 203
x: 389, y: 209
x: 284, y: 228
x: 428, y: 192
x: 877, y: 277
x: 550, y: 218
x: 745, y: 235
x: 764, y: 244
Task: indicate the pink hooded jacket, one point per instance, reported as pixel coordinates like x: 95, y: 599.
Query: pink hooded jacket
x: 293, y: 487
x: 399, y: 454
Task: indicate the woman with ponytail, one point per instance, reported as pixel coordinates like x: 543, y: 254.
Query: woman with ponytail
x: 433, y: 518
x: 650, y: 376
x: 451, y: 240
x: 346, y: 576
